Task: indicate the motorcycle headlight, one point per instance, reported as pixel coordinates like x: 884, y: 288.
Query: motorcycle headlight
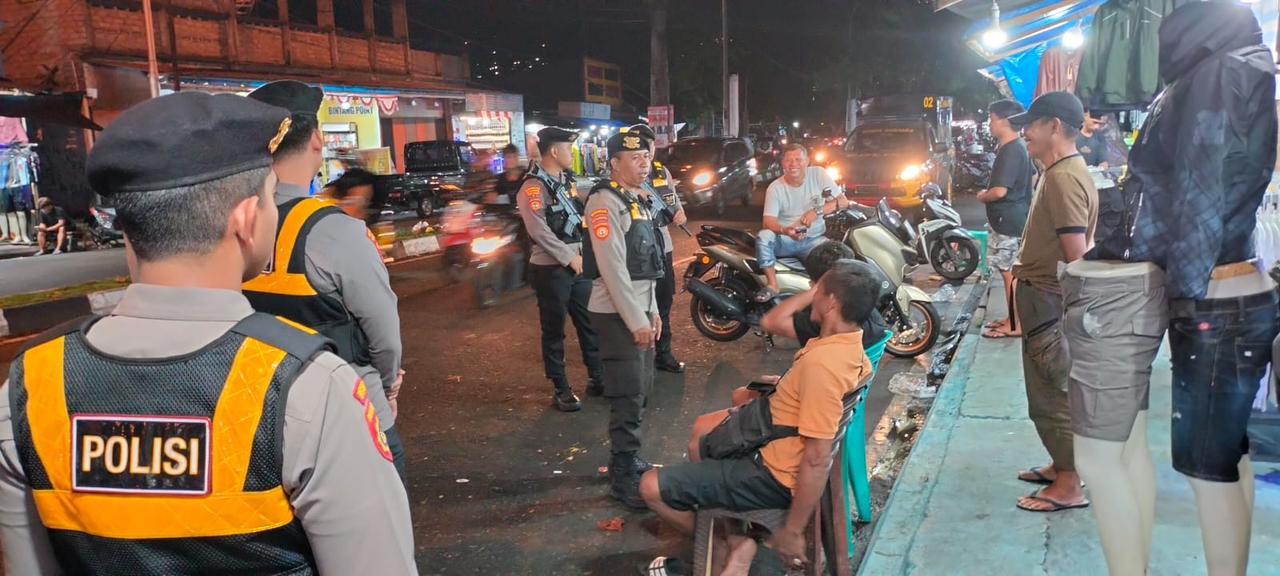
x: 834, y: 173
x: 702, y: 179
x: 910, y: 172
x: 820, y: 157
x: 486, y: 245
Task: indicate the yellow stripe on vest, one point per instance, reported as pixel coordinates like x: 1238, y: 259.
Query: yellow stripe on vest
x: 280, y: 281
x: 227, y: 511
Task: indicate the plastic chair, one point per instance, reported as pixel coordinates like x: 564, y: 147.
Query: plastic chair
x: 857, y: 479
x: 981, y: 235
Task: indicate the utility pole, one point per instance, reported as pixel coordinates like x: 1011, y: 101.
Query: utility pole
x: 153, y: 73
x: 724, y: 63
x: 173, y: 44
x: 659, y: 73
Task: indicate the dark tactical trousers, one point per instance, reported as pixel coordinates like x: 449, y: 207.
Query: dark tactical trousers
x: 560, y: 293
x: 628, y: 380
x: 666, y: 293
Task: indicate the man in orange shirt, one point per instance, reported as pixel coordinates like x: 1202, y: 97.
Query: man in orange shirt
x: 789, y: 467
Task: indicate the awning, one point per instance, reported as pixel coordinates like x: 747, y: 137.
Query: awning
x: 54, y: 108
x: 1029, y: 23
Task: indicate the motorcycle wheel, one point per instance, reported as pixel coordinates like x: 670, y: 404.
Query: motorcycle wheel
x: 713, y: 325
x: 965, y: 248
x: 917, y: 333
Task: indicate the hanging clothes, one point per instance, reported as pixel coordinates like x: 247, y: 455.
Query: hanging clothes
x: 12, y: 131
x: 1120, y: 67
x: 1059, y: 70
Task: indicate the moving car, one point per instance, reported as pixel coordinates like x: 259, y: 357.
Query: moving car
x: 712, y: 171
x: 902, y: 144
x: 429, y: 166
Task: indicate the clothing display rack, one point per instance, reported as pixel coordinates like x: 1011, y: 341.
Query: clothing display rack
x: 19, y: 174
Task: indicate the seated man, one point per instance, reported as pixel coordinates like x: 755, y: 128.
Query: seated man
x: 791, y: 318
x: 790, y: 470
x: 53, y: 220
x: 793, y: 210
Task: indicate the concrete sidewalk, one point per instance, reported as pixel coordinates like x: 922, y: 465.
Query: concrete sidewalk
x: 952, y: 511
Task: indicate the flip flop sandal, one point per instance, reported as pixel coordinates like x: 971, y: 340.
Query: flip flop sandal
x: 1039, y: 477
x: 995, y: 334
x: 665, y: 566
x: 1056, y: 505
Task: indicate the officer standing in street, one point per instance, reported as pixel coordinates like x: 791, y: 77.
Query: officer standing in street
x: 184, y: 433
x: 326, y: 272
x: 660, y: 181
x: 552, y: 216
x: 624, y: 261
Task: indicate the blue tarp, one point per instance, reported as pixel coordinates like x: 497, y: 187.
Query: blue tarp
x: 1032, y: 26
x: 1022, y: 72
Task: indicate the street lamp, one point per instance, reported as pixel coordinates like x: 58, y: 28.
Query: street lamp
x: 1074, y: 38
x: 795, y: 124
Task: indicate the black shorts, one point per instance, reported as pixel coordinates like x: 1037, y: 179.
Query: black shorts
x: 739, y: 485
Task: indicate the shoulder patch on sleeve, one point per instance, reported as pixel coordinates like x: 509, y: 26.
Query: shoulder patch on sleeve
x: 534, y: 192
x: 600, y: 223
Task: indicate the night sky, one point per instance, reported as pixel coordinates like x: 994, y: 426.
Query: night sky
x: 800, y: 59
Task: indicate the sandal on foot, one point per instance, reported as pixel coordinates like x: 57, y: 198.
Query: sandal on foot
x: 1056, y: 506
x: 997, y: 333
x: 1037, y: 477
x: 666, y: 566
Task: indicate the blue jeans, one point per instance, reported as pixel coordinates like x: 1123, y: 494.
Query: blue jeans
x: 770, y: 246
x: 1220, y: 351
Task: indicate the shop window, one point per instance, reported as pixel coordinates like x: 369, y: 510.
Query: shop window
x: 595, y: 72
x: 611, y: 74
x: 594, y: 89
x: 382, y: 19
x: 348, y: 15
x: 613, y: 91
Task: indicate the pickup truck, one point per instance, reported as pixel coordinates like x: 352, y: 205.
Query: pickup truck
x: 430, y: 167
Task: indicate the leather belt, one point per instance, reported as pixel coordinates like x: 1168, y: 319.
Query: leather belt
x: 1234, y: 270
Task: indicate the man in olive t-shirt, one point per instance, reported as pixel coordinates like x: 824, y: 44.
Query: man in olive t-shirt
x: 1059, y: 230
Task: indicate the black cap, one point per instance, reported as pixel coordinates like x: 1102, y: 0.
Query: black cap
x: 643, y: 130
x: 1006, y: 108
x: 626, y: 142
x: 1061, y: 105
x: 184, y: 139
x: 557, y: 134
x: 294, y: 96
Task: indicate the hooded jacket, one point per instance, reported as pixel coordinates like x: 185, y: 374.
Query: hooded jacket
x: 1205, y: 154
x: 1119, y: 68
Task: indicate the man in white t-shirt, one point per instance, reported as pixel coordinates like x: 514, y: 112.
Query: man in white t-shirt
x: 793, y: 209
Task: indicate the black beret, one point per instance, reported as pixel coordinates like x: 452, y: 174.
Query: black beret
x: 556, y: 134
x: 626, y: 142
x: 291, y: 95
x: 184, y: 139
x: 643, y: 130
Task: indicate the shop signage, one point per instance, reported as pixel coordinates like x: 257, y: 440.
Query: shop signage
x: 660, y: 119
x: 587, y: 110
x: 484, y: 101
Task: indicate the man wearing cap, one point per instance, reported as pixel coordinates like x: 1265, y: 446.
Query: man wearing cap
x: 326, y: 272
x: 624, y: 262
x: 185, y: 433
x: 552, y: 216
x: 1059, y: 230
x: 660, y: 181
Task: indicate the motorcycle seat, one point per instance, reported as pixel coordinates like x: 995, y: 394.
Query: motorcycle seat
x: 794, y: 265
x: 720, y: 235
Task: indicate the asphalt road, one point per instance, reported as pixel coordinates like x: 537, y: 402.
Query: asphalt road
x: 37, y: 273
x: 501, y: 483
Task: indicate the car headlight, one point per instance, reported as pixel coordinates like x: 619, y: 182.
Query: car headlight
x: 820, y: 157
x: 702, y: 179
x: 910, y: 172
x: 834, y: 173
x: 486, y: 245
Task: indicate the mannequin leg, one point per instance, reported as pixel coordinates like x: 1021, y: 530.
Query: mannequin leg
x: 22, y: 227
x: 1226, y: 521
x: 1121, y: 481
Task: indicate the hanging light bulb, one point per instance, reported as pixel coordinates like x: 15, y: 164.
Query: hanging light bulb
x: 996, y: 36
x: 1074, y: 38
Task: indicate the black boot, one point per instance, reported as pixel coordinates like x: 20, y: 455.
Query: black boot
x: 667, y: 362
x: 640, y: 465
x: 595, y: 386
x: 566, y: 401
x: 624, y: 482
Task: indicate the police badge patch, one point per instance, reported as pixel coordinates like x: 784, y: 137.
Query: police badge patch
x: 600, y: 224
x: 140, y: 454
x: 535, y: 198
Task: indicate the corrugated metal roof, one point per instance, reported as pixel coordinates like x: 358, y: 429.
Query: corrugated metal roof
x: 1028, y: 23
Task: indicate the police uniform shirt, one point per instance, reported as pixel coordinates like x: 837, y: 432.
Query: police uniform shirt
x: 347, y: 496
x: 614, y: 292
x: 533, y: 198
x: 661, y: 176
x: 343, y: 262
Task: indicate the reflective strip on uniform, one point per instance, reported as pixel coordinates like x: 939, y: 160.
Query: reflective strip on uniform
x: 280, y: 280
x: 226, y: 511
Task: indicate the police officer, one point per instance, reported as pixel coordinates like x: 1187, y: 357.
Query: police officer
x: 184, y: 433
x: 624, y: 262
x: 552, y: 216
x: 673, y: 214
x: 327, y: 272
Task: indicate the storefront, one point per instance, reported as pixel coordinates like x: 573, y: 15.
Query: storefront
x: 490, y: 121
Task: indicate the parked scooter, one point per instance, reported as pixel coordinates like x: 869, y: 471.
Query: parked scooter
x: 485, y: 243
x: 102, y: 227
x: 725, y: 306
x: 942, y: 241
